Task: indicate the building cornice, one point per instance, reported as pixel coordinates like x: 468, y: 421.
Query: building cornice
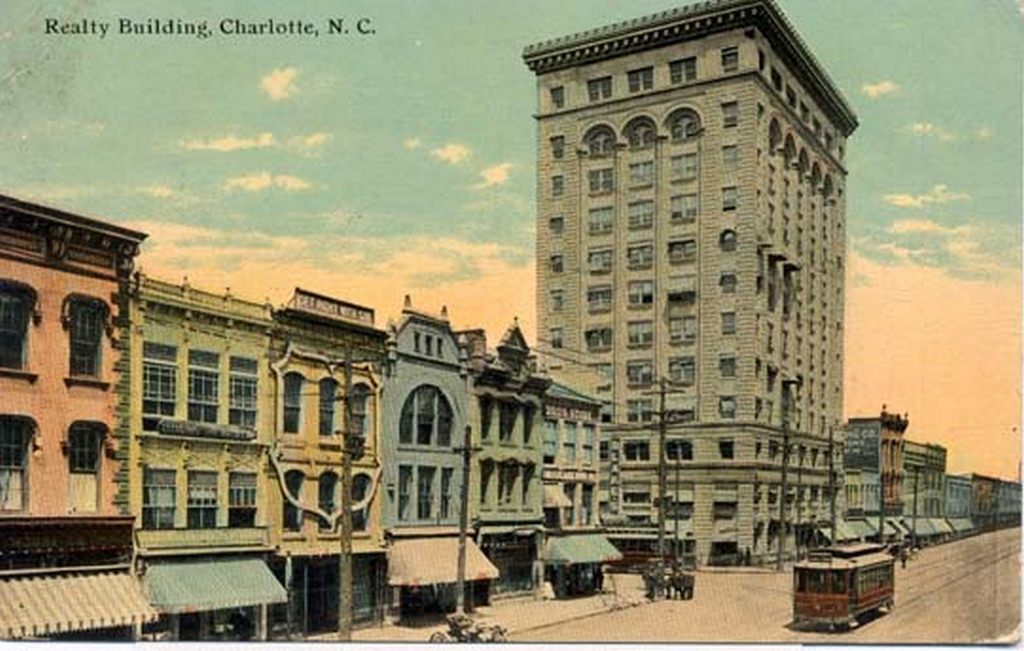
x: 688, y: 23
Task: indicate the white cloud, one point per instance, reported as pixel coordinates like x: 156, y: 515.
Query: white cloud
x: 907, y: 226
x: 313, y: 140
x: 231, y: 143
x: 494, y: 175
x: 876, y: 90
x: 264, y: 180
x: 451, y: 153
x: 157, y: 191
x: 280, y: 83
x: 984, y: 133
x: 938, y: 193
x: 412, y: 143
x: 931, y: 130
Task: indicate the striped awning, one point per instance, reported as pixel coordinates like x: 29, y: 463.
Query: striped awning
x: 195, y: 586
x: 863, y: 528
x: 45, y: 605
x: 846, y: 531
x: 941, y: 526
x: 923, y: 525
x: 894, y: 527
x: 581, y: 548
x: 432, y: 561
x: 555, y: 497
x: 962, y: 524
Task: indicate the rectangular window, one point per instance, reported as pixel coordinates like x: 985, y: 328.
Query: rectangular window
x: 598, y: 89
x: 242, y: 387
x: 730, y: 59
x: 202, y: 499
x: 425, y: 492
x: 159, y: 382
x: 569, y: 490
x: 557, y: 224
x: 729, y: 198
x: 724, y: 510
x: 446, y: 494
x: 557, y: 337
x: 203, y: 386
x: 589, y: 436
x: 599, y: 261
x: 600, y: 221
x: 641, y: 173
x: 636, y: 451
x: 599, y: 299
x: 641, y: 79
x: 683, y: 70
x: 682, y: 370
x: 558, y: 96
x: 550, y: 446
x: 776, y: 79
x: 640, y: 372
x: 641, y: 292
x: 684, y: 208
x: 86, y: 323
x: 639, y: 411
x: 404, y: 491
x: 727, y: 407
x: 557, y: 186
x: 726, y: 449
x: 159, y: 498
x: 682, y: 251
x: 730, y: 157
x: 685, y: 166
x: 557, y: 297
x: 558, y: 147
x: 602, y: 180
x: 727, y: 282
x: 728, y: 323
x: 557, y: 264
x: 599, y: 339
x: 508, y: 413
x: 640, y: 256
x: 727, y: 366
x: 641, y: 214
x: 682, y: 289
x: 682, y: 329
x: 242, y: 499
x: 641, y: 333
x: 677, y: 450
x: 730, y: 114
x: 569, y: 444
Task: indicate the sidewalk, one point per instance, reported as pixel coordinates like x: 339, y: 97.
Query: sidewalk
x: 523, y: 615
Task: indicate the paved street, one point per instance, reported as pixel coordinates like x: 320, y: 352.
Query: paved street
x: 968, y: 591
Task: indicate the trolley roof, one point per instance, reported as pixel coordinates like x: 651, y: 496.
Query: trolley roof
x: 836, y: 563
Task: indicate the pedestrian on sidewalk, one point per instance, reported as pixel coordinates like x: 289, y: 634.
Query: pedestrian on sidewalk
x: 599, y: 579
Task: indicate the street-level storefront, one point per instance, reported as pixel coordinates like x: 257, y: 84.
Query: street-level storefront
x: 514, y: 553
x: 573, y: 563
x: 423, y: 574
x: 212, y: 598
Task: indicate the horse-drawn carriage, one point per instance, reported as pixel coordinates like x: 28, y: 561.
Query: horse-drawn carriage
x: 670, y: 581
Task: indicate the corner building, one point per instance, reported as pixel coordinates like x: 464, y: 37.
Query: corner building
x: 691, y: 227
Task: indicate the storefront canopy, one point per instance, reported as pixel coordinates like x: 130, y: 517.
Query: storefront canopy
x: 923, y: 525
x: 430, y: 561
x: 846, y: 531
x: 863, y: 528
x: 41, y: 606
x: 581, y: 548
x: 555, y: 497
x: 962, y: 525
x: 893, y: 526
x: 941, y: 526
x: 191, y: 586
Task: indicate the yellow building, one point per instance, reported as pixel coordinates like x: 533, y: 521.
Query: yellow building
x: 312, y: 338
x: 201, y: 421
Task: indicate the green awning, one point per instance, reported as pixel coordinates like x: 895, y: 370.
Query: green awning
x: 195, y: 586
x: 863, y: 528
x: 581, y: 548
x: 961, y: 524
x: 924, y: 527
x: 846, y: 531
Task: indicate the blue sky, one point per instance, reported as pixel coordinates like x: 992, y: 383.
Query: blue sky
x: 368, y: 167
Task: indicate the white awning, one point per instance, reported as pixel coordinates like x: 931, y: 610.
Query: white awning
x: 431, y: 561
x: 554, y: 497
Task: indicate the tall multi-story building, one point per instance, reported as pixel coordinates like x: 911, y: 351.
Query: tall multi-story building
x: 691, y: 226
x: 65, y: 526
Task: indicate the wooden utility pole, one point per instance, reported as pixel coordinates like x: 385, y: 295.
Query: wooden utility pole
x: 460, y: 581
x: 832, y: 485
x: 799, y: 502
x: 787, y: 400
x: 349, y: 446
x: 675, y: 511
x: 913, y: 532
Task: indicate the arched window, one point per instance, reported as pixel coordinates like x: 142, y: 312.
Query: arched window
x: 361, y: 483
x: 17, y: 303
x: 789, y: 150
x: 86, y: 321
x: 328, y: 398
x: 84, y: 441
x: 427, y: 416
x: 826, y: 187
x: 727, y: 240
x: 802, y: 164
x: 15, y: 434
x: 600, y: 141
x: 774, y: 136
x: 683, y: 124
x: 641, y: 132
x: 292, y: 516
x: 293, y: 383
x: 360, y: 410
x: 815, y: 176
x: 328, y: 491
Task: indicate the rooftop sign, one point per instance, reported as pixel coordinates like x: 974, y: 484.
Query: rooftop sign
x: 331, y: 308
